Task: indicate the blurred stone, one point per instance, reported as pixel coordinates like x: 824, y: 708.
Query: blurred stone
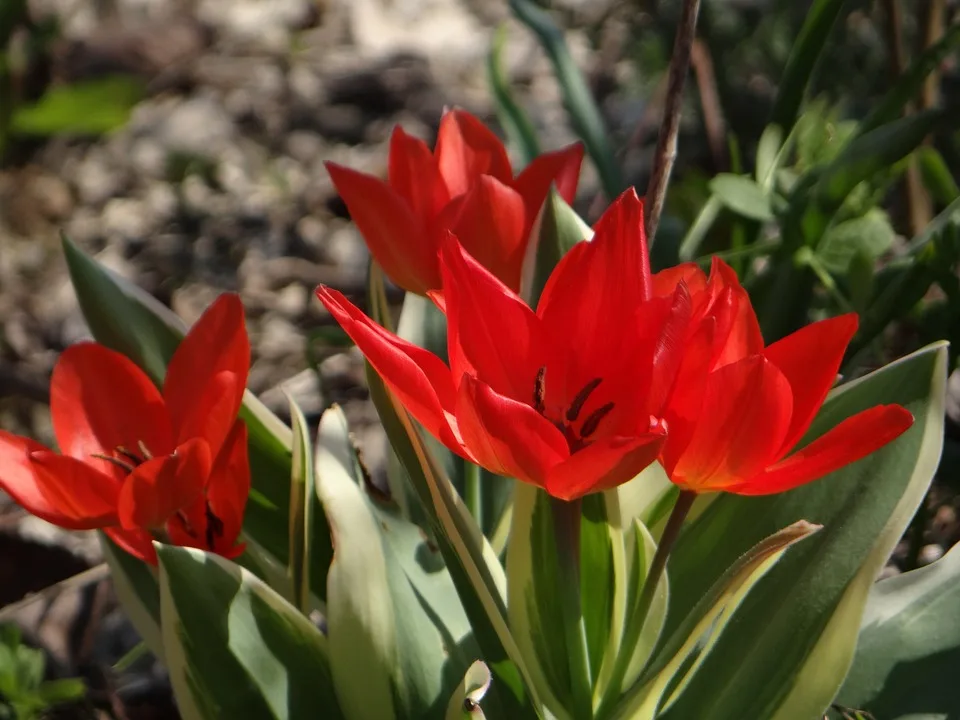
x: 888, y: 571
x: 279, y: 338
x: 292, y: 300
x: 199, y: 126
x: 96, y: 181
x: 125, y: 217
x: 929, y: 554
x: 304, y: 388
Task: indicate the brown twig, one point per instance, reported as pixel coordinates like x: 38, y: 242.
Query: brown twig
x: 919, y: 210
x: 935, y: 11
x: 666, y: 152
x: 713, y: 120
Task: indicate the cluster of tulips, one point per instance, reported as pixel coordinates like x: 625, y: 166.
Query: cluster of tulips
x: 612, y: 368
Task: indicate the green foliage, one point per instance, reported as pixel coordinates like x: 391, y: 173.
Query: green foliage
x: 24, y: 693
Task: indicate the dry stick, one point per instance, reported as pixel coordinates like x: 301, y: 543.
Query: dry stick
x: 713, y: 121
x: 919, y: 210
x: 933, y: 22
x: 666, y: 152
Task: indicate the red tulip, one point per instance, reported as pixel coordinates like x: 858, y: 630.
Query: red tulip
x: 738, y: 408
x: 137, y: 462
x: 466, y: 187
x: 563, y: 397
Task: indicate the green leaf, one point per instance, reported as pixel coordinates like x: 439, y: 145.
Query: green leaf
x: 124, y: 318
x: 577, y: 98
x: 804, y: 57
x: 871, y: 153
x: 387, y: 656
x: 302, y: 497
x: 769, y: 155
x: 235, y: 648
x: 690, y: 245
x: 136, y: 586
x: 871, y: 235
x: 465, y: 702
x: 909, y: 646
x: 796, y: 630
x: 937, y: 177
x: 742, y: 195
x: 90, y: 107
x: 911, y: 81
x: 559, y: 229
x: 686, y: 648
x: 515, y: 122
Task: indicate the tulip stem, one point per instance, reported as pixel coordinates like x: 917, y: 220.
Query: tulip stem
x: 472, y: 494
x: 566, y: 528
x: 631, y: 634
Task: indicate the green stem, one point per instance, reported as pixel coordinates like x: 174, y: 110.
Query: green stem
x: 566, y: 528
x: 472, y: 494
x: 631, y: 634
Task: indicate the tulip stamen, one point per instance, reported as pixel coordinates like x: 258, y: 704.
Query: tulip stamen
x: 573, y: 412
x: 147, y: 455
x: 590, y: 425
x: 122, y: 464
x: 539, y: 389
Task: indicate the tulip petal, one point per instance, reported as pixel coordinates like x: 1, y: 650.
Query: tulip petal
x: 597, y: 287
x: 99, y: 401
x: 207, y: 374
x: 560, y: 168
x: 489, y: 222
x: 853, y: 439
x: 491, y: 332
x: 745, y: 414
x: 414, y: 175
x: 396, y: 239
x: 164, y: 485
x: 419, y: 378
x: 506, y: 436
x: 467, y: 149
x: 82, y: 497
x: 665, y: 282
x: 602, y: 465
x: 739, y: 332
x: 18, y: 478
x: 227, y: 494
x: 138, y: 543
x: 810, y: 359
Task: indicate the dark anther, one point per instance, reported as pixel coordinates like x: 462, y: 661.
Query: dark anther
x: 590, y: 425
x: 539, y: 389
x: 122, y: 464
x: 214, y: 528
x: 573, y: 412
x: 131, y: 456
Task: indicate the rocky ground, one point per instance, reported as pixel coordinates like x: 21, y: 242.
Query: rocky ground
x: 217, y: 183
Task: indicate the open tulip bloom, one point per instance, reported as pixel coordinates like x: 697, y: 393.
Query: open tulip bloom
x: 615, y: 369
x: 466, y: 186
x: 138, y: 462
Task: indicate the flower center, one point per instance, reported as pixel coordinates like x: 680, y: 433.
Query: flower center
x: 125, y: 459
x: 577, y: 439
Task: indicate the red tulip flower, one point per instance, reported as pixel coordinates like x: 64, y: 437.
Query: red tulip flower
x: 466, y: 187
x: 137, y: 462
x: 563, y: 397
x: 739, y: 408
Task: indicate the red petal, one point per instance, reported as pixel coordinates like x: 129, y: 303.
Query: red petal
x: 810, y: 359
x: 99, y: 401
x: 853, y: 439
x: 738, y: 333
x: 414, y: 175
x: 745, y: 414
x: 506, y: 436
x: 491, y: 332
x: 467, y: 149
x: 665, y: 282
x: 404, y: 248
x: 602, y: 465
x: 596, y: 289
x: 207, y: 374
x: 560, y: 168
x: 419, y: 378
x: 81, y: 495
x: 164, y: 485
x: 229, y: 488
x: 138, y: 543
x: 489, y: 222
